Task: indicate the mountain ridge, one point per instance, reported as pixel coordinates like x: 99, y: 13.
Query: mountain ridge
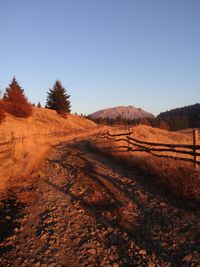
x: 125, y: 112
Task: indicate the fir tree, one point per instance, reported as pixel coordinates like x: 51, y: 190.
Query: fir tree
x: 39, y: 105
x: 58, y: 99
x: 16, y: 101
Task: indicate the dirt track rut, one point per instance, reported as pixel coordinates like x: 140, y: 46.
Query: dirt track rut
x: 84, y: 209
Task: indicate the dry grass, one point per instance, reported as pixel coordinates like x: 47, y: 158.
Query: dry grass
x: 42, y: 122
x: 30, y: 139
x: 177, y: 175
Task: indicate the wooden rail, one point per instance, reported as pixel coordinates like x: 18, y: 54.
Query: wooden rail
x: 7, y: 147
x: 136, y: 145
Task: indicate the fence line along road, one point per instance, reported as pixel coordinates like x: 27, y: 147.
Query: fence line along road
x: 136, y: 145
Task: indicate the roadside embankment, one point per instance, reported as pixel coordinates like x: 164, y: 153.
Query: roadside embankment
x: 25, y: 142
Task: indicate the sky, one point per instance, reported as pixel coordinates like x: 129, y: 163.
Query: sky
x: 106, y: 53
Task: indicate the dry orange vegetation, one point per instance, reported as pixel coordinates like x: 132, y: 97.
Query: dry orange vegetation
x: 179, y: 176
x: 28, y: 140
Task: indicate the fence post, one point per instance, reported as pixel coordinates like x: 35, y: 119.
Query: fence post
x: 195, y: 142
x: 13, y: 144
x: 129, y: 144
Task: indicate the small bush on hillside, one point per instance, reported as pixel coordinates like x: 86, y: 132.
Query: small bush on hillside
x: 16, y: 102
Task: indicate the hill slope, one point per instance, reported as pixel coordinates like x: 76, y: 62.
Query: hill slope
x: 128, y: 113
x: 43, y: 121
x: 24, y: 142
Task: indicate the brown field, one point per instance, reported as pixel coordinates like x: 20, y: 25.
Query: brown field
x: 179, y: 176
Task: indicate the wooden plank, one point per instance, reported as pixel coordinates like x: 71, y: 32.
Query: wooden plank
x: 166, y: 150
x: 156, y: 144
x: 165, y: 156
x: 164, y: 144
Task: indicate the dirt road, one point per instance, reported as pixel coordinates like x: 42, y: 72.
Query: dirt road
x: 84, y: 209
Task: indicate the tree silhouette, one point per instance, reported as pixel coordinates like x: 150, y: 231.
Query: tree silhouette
x: 182, y: 118
x: 39, y: 105
x: 16, y: 102
x: 58, y: 99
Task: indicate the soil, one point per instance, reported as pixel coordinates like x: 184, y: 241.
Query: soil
x: 85, y: 209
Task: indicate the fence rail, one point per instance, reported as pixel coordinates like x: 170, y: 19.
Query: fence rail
x: 7, y: 147
x: 136, y: 145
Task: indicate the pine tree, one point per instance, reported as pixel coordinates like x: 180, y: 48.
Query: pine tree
x: 39, y: 105
x: 16, y: 102
x: 58, y: 99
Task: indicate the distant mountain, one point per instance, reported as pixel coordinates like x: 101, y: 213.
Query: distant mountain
x: 128, y: 113
x: 184, y: 117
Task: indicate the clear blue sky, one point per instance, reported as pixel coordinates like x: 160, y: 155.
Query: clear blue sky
x: 144, y: 53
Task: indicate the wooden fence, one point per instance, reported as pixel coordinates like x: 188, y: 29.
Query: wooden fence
x: 7, y: 147
x: 135, y: 145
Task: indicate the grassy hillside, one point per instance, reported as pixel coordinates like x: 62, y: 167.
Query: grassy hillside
x: 27, y: 140
x: 43, y: 121
x: 151, y: 134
